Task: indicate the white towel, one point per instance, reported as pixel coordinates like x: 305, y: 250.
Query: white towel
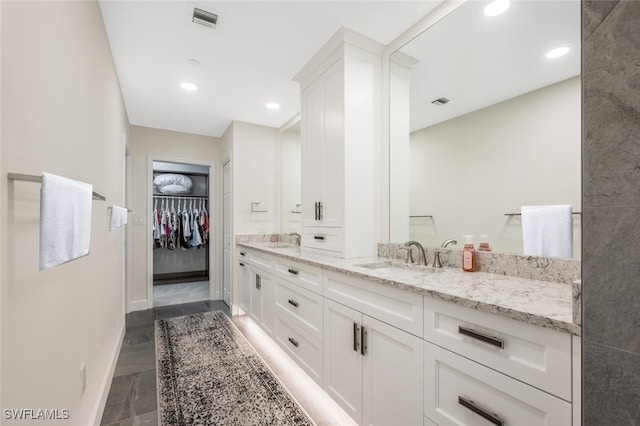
x: 65, y: 220
x: 547, y: 230
x: 118, y: 217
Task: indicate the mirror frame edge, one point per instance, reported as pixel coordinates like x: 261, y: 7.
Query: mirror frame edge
x: 430, y: 19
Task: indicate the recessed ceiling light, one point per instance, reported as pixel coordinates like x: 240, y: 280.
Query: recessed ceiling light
x: 557, y: 52
x: 194, y: 62
x: 497, y: 7
x: 273, y: 105
x: 188, y: 86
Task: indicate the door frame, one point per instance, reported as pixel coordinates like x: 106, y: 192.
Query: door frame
x: 215, y: 291
x: 227, y: 265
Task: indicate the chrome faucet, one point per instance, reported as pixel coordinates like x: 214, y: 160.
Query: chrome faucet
x: 436, y: 259
x: 295, y: 234
x: 422, y: 259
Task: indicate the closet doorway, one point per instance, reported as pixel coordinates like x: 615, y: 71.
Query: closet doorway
x: 181, y: 233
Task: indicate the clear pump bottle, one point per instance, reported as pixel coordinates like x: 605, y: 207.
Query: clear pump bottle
x: 468, y: 255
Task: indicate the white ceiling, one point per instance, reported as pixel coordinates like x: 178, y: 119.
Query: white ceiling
x: 247, y: 61
x: 476, y: 61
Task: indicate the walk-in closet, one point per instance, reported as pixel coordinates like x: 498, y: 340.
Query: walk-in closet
x: 181, y: 233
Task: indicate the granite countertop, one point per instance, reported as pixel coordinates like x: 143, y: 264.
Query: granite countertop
x: 541, y: 303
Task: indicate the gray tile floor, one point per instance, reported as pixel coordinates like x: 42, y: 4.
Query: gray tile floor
x: 132, y: 397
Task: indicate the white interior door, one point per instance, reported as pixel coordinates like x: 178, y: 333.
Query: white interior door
x: 226, y: 231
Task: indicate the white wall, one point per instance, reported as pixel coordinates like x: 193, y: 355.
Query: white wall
x: 62, y: 112
x: 146, y: 145
x: 468, y: 172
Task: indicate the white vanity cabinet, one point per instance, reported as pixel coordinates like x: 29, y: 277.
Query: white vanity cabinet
x: 389, y: 356
x: 340, y: 115
x: 262, y: 294
x: 244, y: 287
x: 480, y: 368
x: 459, y: 391
x: 372, y: 369
x: 299, y: 326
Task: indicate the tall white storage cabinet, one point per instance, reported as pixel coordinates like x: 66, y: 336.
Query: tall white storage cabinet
x: 340, y: 95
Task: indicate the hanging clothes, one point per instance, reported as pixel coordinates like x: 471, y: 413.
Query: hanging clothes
x: 186, y: 227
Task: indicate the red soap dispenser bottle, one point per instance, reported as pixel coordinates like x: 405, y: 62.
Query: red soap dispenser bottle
x: 468, y: 255
x: 484, y: 243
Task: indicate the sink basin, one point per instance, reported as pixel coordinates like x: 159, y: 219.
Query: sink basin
x: 399, y: 270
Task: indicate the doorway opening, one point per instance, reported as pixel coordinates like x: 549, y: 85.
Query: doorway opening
x: 181, y: 233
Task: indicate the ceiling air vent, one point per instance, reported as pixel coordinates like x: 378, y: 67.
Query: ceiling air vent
x: 440, y: 101
x: 205, y: 18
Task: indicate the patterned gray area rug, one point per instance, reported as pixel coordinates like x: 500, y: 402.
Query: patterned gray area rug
x: 208, y: 374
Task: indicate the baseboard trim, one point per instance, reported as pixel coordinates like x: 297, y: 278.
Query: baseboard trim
x: 105, y: 386
x: 139, y: 305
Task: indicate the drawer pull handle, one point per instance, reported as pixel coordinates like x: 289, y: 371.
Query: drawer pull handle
x: 363, y: 340
x: 493, y: 418
x: 356, y: 333
x: 318, y: 237
x: 241, y: 264
x: 293, y: 341
x: 293, y: 271
x: 242, y: 253
x: 482, y: 337
x: 293, y: 303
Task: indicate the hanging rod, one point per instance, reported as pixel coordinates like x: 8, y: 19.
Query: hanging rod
x: 38, y: 179
x: 520, y: 214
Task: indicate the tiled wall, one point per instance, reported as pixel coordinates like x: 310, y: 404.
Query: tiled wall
x: 611, y: 212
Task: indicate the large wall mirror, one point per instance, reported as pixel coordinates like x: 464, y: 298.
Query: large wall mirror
x: 291, y: 176
x: 485, y: 117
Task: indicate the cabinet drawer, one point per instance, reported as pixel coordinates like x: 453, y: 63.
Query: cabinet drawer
x: 258, y: 259
x: 322, y: 238
x: 535, y: 355
x: 301, y: 347
x: 300, y: 306
x: 459, y: 391
x: 306, y: 276
x: 396, y: 307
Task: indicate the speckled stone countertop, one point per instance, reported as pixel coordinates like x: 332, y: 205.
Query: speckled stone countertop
x: 541, y: 303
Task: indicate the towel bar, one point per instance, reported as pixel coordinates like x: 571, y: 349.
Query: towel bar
x: 520, y: 214
x: 38, y: 179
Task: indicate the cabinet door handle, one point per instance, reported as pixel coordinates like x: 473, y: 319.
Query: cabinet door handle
x: 491, y: 417
x: 318, y: 237
x: 241, y: 264
x: 317, y: 211
x: 242, y: 253
x: 293, y: 341
x: 293, y: 271
x: 258, y: 282
x: 356, y: 333
x: 293, y: 303
x: 481, y: 337
x: 363, y: 340
x: 320, y: 210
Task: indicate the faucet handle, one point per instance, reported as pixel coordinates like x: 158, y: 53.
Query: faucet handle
x: 436, y: 259
x: 409, y: 257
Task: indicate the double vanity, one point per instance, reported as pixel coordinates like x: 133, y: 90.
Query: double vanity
x: 399, y: 344
x: 394, y: 343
